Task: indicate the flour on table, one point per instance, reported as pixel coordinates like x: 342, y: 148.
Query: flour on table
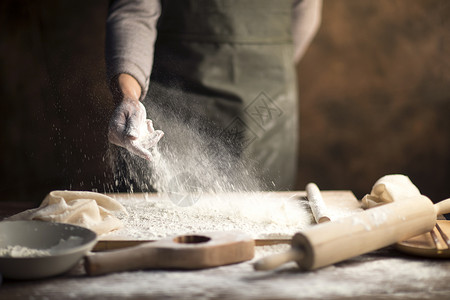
x: 262, y: 215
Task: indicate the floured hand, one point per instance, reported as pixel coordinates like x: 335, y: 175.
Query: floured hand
x: 130, y: 129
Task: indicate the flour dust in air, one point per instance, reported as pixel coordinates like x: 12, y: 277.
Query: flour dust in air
x: 189, y: 161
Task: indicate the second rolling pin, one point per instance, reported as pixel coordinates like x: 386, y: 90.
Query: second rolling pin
x: 316, y: 203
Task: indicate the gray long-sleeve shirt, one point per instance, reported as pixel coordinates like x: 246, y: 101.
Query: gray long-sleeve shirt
x: 132, y: 29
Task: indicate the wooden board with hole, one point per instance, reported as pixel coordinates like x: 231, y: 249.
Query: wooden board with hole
x: 187, y: 252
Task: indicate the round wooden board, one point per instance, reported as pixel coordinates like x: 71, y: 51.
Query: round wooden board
x: 424, y: 244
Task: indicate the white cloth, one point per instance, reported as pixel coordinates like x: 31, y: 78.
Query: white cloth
x: 92, y: 210
x: 390, y: 188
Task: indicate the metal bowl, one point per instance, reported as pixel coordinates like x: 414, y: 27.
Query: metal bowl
x: 42, y: 249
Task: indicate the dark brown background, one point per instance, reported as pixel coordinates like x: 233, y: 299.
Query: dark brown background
x: 374, y: 88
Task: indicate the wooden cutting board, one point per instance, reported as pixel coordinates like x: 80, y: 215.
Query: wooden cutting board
x: 338, y: 203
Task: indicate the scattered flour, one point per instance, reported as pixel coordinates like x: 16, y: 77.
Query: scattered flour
x: 358, y: 221
x: 213, y: 163
x: 377, y: 218
x: 194, y: 155
x: 382, y: 275
x: 268, y: 215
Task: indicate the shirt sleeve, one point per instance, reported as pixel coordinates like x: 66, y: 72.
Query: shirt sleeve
x: 306, y: 18
x: 130, y: 38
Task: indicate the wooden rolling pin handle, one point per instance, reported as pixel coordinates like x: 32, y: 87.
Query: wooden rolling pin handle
x: 134, y: 258
x: 276, y: 260
x: 442, y: 207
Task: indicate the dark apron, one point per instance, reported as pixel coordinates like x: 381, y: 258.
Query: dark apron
x: 225, y: 69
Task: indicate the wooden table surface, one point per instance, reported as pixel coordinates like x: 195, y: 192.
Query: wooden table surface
x: 383, y: 274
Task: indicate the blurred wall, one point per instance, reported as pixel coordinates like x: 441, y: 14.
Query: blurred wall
x: 375, y: 96
x: 374, y: 89
x: 54, y: 101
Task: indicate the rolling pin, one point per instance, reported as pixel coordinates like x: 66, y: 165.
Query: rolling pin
x: 316, y: 203
x: 331, y: 242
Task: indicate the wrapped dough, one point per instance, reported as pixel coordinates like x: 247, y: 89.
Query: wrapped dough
x: 88, y: 209
x: 390, y: 188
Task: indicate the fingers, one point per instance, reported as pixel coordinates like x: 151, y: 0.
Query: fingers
x: 132, y: 132
x: 152, y: 139
x: 129, y: 129
x: 127, y: 122
x: 150, y: 126
x: 138, y: 150
x: 132, y: 145
x: 135, y: 122
x: 141, y: 147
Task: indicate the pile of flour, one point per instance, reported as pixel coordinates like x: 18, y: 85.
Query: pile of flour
x: 17, y: 251
x: 21, y: 251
